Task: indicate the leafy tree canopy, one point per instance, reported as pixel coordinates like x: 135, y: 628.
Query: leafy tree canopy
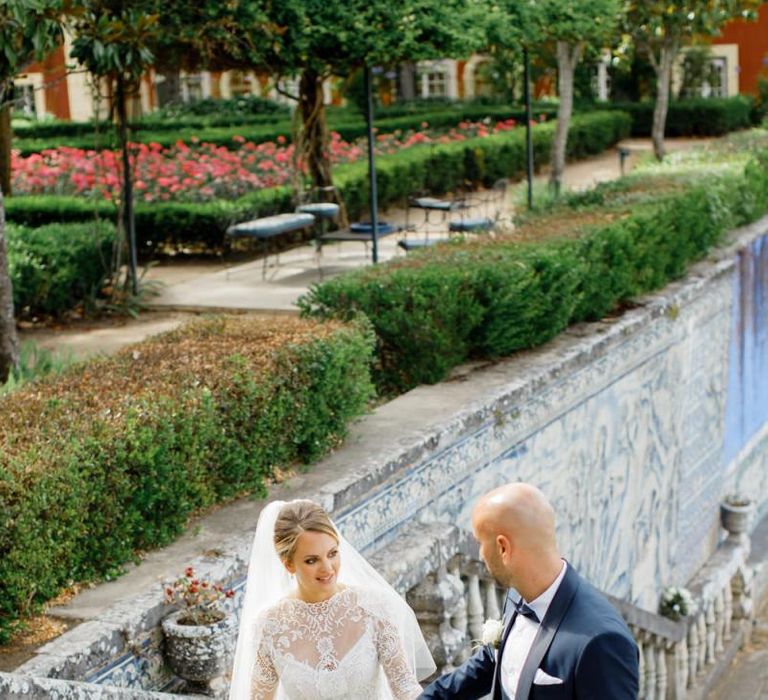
x: 653, y: 23
x: 28, y: 30
x: 335, y: 36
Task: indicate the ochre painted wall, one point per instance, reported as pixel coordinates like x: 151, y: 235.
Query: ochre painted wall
x: 54, y: 73
x: 752, y: 38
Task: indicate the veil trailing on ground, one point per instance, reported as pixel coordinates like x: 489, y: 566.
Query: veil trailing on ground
x: 269, y: 582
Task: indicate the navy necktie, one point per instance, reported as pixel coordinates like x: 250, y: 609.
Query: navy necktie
x: 523, y: 609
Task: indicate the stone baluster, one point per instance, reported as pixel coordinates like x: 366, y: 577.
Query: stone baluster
x: 492, y: 610
x: 475, y: 611
x: 693, y: 651
x: 741, y: 593
x: 709, y: 616
x: 727, y: 611
x: 459, y: 617
x: 436, y: 601
x: 719, y: 607
x: 661, y: 668
x: 702, y: 624
x: 677, y: 668
x: 649, y: 652
x: 638, y: 635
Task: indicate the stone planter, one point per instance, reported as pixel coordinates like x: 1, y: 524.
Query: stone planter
x: 735, y: 517
x: 198, y: 653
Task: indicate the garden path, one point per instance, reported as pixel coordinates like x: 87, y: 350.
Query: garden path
x: 191, y: 288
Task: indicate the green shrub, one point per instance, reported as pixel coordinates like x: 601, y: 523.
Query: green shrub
x: 488, y: 298
x: 229, y: 132
x: 57, y: 266
x: 694, y: 117
x: 246, y: 110
x: 430, y: 168
x: 115, y: 455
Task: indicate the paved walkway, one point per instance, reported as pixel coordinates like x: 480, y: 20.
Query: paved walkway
x: 277, y: 287
x: 747, y: 678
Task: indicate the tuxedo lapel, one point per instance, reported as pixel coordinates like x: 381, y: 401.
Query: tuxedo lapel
x: 497, y: 692
x: 547, y: 630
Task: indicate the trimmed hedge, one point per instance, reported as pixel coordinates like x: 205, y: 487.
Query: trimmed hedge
x: 55, y: 267
x: 349, y: 126
x: 690, y: 117
x: 433, y: 310
x: 695, y: 117
x: 436, y: 169
x: 114, y: 456
x: 200, y: 114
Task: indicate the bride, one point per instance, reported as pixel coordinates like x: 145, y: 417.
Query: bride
x: 318, y: 622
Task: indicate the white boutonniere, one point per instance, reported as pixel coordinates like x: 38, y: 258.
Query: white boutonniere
x: 492, y: 631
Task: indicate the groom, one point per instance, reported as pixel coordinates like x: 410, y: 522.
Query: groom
x: 561, y: 638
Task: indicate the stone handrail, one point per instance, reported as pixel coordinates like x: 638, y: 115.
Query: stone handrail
x: 23, y: 687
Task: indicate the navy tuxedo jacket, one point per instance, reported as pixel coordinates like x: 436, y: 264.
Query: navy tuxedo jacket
x: 582, y: 640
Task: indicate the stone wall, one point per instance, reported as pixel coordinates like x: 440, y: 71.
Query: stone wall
x: 622, y: 423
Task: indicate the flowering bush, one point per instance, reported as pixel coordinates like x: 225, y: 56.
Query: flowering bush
x: 200, y: 172
x: 199, y: 599
x: 676, y: 603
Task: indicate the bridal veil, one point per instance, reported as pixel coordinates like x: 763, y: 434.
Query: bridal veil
x: 269, y: 582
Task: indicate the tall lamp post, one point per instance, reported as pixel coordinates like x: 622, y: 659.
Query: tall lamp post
x: 528, y: 131
x: 372, y: 164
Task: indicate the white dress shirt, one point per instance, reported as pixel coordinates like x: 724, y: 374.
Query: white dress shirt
x: 521, y: 637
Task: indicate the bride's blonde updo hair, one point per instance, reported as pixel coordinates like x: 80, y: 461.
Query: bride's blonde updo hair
x: 296, y: 517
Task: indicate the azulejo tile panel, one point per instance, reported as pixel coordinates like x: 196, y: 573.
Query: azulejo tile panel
x: 616, y: 444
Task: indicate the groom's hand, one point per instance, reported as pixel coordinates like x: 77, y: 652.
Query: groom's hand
x: 473, y: 679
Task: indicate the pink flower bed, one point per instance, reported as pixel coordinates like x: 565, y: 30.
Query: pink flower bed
x: 199, y: 172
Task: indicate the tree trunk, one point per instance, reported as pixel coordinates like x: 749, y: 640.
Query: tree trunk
x: 314, y: 140
x: 169, y: 90
x: 663, y: 84
x: 9, y: 341
x: 5, y: 149
x: 408, y: 81
x: 129, y: 220
x: 567, y: 58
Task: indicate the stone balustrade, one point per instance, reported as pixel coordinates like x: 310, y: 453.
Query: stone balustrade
x: 455, y: 595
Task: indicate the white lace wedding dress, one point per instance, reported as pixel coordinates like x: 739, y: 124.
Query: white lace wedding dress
x: 343, y: 648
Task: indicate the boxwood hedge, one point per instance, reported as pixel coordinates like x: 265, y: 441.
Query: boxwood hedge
x: 435, y: 309
x: 693, y: 117
x: 114, y: 456
x: 258, y: 129
x: 55, y: 267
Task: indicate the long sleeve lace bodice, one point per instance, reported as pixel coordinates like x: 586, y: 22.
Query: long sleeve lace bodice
x: 339, y: 649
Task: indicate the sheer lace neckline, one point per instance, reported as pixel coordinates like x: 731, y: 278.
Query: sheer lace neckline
x: 320, y: 603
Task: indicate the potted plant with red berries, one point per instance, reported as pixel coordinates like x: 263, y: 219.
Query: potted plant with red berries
x: 199, y: 636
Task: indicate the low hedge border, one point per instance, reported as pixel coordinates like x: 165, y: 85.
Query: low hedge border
x: 437, y: 169
x: 434, y: 310
x: 114, y: 456
x: 689, y: 117
x: 694, y: 117
x: 348, y: 127
x: 55, y: 267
